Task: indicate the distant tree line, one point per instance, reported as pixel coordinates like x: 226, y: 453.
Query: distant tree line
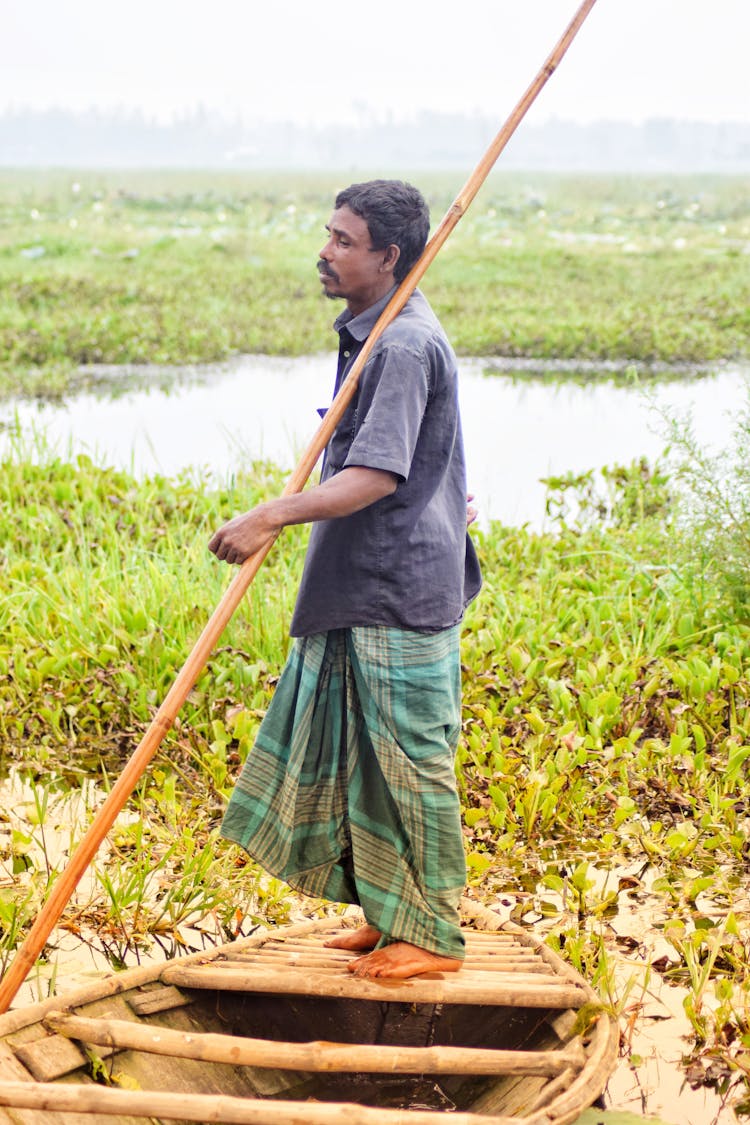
x: 429, y: 140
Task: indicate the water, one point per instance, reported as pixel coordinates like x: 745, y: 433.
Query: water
x: 215, y: 419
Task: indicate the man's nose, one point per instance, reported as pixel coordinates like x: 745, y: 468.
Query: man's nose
x: 325, y: 253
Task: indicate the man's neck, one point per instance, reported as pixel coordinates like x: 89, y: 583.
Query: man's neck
x: 356, y: 307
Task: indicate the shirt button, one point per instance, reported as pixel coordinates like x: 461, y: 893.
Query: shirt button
x: 347, y: 354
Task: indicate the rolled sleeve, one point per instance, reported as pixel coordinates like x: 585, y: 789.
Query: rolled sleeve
x: 392, y: 401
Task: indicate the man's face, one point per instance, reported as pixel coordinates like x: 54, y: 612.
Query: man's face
x: 348, y: 265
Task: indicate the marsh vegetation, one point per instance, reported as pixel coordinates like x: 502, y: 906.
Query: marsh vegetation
x: 607, y: 703
x: 176, y: 268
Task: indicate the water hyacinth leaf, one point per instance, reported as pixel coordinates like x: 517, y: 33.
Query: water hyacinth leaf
x: 473, y: 817
x: 499, y: 796
x: 731, y: 924
x: 697, y: 886
x: 682, y: 841
x: 729, y: 673
x: 679, y: 744
x: 478, y: 863
x: 554, y: 882
x: 738, y: 755
x: 243, y: 722
x: 580, y: 878
x: 536, y: 722
x: 699, y: 740
x: 518, y: 659
x: 723, y: 989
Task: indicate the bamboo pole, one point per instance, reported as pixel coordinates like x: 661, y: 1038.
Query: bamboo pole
x: 196, y: 661
x: 153, y: 1104
x: 345, y: 1058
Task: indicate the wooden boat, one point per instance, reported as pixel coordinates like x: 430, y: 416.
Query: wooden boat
x: 273, y: 1030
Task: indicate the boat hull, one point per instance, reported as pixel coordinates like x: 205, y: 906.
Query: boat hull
x: 274, y: 1028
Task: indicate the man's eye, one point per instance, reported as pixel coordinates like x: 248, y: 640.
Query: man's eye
x: 344, y: 242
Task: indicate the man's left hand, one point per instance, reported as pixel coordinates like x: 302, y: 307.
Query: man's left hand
x: 471, y: 510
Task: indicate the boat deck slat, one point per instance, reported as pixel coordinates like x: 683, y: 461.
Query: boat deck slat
x: 505, y: 989
x: 153, y: 1000
x: 311, y: 953
x: 505, y: 973
x: 48, y: 1058
x: 519, y: 972
x: 489, y: 966
x: 499, y: 942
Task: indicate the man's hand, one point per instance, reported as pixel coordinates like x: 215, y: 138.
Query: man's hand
x: 471, y: 510
x: 243, y: 536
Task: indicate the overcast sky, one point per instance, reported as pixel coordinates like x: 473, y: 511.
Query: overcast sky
x: 323, y: 63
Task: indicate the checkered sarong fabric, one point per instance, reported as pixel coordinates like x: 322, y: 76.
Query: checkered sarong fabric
x: 349, y: 793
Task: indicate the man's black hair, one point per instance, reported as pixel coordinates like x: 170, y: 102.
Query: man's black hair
x: 395, y: 213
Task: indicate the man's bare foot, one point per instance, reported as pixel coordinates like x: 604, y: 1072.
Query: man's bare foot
x: 399, y: 960
x: 364, y: 937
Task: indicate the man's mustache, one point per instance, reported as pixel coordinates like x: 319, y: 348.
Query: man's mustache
x: 325, y: 270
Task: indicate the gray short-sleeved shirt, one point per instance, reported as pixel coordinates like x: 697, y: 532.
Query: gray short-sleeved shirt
x: 406, y: 560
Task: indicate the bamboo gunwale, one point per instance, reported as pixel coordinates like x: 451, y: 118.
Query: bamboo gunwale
x: 185, y: 680
x: 602, y: 1039
x: 347, y: 1058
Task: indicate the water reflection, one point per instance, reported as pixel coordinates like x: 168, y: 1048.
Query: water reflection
x: 517, y: 431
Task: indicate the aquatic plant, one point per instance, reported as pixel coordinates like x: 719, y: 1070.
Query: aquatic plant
x: 188, y: 267
x: 714, y: 507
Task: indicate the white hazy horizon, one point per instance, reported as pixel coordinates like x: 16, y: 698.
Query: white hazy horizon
x: 633, y: 60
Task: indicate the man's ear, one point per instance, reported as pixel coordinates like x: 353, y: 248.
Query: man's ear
x: 391, y: 255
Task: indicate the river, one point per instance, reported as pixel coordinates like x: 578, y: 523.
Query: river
x: 517, y: 429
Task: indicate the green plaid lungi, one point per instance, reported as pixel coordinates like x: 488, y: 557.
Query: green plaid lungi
x: 349, y: 793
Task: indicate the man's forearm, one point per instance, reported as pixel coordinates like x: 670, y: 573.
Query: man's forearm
x: 341, y: 495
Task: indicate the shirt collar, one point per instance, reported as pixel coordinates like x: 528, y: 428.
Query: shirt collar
x: 361, y: 326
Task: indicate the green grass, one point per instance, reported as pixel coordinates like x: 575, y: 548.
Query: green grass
x: 178, y: 268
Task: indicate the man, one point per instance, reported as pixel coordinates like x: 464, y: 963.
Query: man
x: 350, y: 793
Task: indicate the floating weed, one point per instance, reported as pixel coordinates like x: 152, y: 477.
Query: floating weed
x: 602, y: 766
x: 94, y: 663
x: 587, y: 952
x: 155, y: 888
x: 157, y: 879
x: 699, y: 950
x: 148, y: 278
x: 583, y: 891
x: 17, y: 910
